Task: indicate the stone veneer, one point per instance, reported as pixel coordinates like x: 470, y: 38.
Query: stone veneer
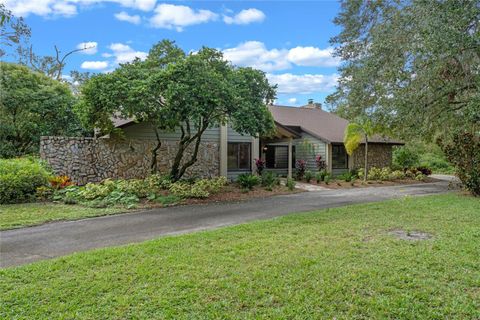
x: 95, y: 159
x: 379, y: 155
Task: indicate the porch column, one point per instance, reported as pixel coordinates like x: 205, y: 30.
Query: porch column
x: 223, y: 150
x: 290, y: 157
x: 255, y: 152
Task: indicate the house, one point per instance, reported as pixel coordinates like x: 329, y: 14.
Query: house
x: 301, y: 133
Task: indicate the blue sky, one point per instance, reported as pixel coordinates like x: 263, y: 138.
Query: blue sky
x: 289, y: 40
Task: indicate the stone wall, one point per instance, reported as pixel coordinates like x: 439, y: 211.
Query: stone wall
x: 93, y: 160
x: 379, y: 155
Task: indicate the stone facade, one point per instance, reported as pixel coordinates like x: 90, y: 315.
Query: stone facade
x: 92, y: 160
x: 379, y: 155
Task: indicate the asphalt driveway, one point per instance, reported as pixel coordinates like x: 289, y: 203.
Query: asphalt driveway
x: 51, y: 240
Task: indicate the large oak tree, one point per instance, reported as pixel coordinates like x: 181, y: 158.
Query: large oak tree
x: 188, y: 92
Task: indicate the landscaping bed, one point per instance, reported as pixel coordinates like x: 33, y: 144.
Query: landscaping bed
x: 342, y: 184
x: 357, y: 262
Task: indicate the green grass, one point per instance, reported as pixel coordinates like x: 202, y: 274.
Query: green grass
x: 337, y: 263
x: 29, y: 214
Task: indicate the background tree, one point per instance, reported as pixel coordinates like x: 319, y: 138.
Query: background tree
x: 171, y: 90
x: 412, y: 65
x: 31, y: 105
x: 13, y: 30
x: 356, y: 133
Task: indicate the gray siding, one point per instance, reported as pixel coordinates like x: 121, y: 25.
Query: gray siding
x: 145, y: 131
x: 233, y: 136
x: 319, y: 147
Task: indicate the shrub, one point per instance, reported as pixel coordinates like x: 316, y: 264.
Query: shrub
x: 320, y: 176
x: 308, y: 175
x: 348, y: 176
x: 397, y: 175
x: 424, y: 170
x: 321, y: 164
x: 404, y: 157
x: 168, y: 200
x: 327, y: 178
x: 436, y: 162
x: 247, y: 181
x: 269, y: 179
x: 158, y: 181
x: 260, y: 164
x: 60, y: 182
x: 382, y: 174
x: 290, y: 184
x: 464, y: 152
x: 20, y: 178
x: 300, y: 166
x: 361, y: 173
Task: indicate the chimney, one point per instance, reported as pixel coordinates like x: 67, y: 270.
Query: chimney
x: 313, y: 105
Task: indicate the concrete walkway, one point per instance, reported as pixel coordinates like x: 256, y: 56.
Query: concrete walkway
x: 26, y: 245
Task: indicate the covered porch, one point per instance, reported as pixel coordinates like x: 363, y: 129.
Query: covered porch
x: 278, y: 151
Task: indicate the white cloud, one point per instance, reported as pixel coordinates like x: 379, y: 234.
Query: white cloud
x: 123, y: 16
x: 68, y: 7
x: 246, y: 16
x: 254, y: 54
x: 292, y: 100
x: 303, y: 84
x: 89, y: 47
x: 94, y: 65
x: 124, y: 53
x: 313, y: 57
x: 170, y: 16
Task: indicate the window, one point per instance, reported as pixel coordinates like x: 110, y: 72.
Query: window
x: 339, y: 157
x: 239, y: 156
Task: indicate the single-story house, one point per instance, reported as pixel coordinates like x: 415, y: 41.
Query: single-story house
x: 301, y: 133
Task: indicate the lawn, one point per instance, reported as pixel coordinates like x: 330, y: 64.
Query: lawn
x: 338, y: 263
x: 29, y: 214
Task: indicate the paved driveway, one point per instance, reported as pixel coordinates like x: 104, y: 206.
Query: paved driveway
x: 26, y: 245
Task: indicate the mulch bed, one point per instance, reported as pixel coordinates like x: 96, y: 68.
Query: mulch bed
x: 340, y: 184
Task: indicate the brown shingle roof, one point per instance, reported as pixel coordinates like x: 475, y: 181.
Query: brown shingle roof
x: 319, y: 123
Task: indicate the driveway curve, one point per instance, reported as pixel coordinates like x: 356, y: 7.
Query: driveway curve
x: 21, y: 246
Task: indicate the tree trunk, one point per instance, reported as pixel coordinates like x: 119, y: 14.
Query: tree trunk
x: 366, y: 158
x: 154, y: 164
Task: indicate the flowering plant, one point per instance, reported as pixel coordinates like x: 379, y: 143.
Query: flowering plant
x: 321, y: 164
x: 260, y: 164
x: 300, y: 166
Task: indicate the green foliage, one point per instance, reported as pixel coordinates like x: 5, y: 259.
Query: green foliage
x: 379, y: 174
x: 20, y: 178
x: 409, y: 64
x: 168, y: 200
x: 290, y: 184
x: 32, y: 105
x: 199, y: 189
x: 308, y: 175
x: 437, y: 163
x: 397, y: 175
x: 320, y: 176
x: 174, y: 90
x: 158, y: 181
x: 269, y: 179
x: 247, y: 181
x: 327, y: 178
x: 348, y: 176
x: 405, y: 157
x: 464, y: 152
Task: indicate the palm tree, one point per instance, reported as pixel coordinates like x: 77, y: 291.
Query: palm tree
x: 355, y: 133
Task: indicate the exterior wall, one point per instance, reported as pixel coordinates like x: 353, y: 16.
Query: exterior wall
x: 144, y: 131
x: 379, y: 155
x: 319, y: 148
x: 92, y: 160
x: 233, y: 136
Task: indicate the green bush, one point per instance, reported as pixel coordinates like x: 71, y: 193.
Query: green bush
x: 348, y: 176
x: 247, y: 181
x: 158, y: 181
x: 308, y: 176
x: 290, y: 184
x: 20, y: 178
x: 437, y: 163
x: 327, y: 178
x: 397, y: 175
x: 320, y: 176
x: 381, y: 174
x: 269, y: 179
x: 405, y: 157
x: 200, y: 189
